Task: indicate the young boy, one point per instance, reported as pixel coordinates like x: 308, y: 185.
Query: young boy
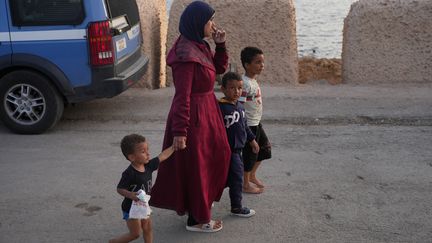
x: 137, y: 176
x: 252, y: 59
x: 238, y: 135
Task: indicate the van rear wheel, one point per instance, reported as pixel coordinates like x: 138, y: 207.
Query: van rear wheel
x: 29, y: 102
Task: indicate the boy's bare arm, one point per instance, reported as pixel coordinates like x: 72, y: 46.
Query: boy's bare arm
x: 166, y: 153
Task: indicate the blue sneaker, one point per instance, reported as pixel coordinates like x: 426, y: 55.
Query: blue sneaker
x: 243, y: 212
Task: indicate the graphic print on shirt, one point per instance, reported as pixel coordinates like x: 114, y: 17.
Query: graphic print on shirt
x: 253, y: 94
x: 258, y: 96
x: 231, y: 119
x: 132, y: 188
x: 149, y: 186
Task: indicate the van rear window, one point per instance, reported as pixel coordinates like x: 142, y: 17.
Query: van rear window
x: 46, y: 12
x: 129, y: 8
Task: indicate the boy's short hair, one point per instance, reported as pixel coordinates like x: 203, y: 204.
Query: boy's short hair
x: 129, y: 142
x: 230, y: 76
x: 248, y: 53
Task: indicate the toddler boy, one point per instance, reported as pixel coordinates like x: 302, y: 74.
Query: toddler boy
x: 137, y: 176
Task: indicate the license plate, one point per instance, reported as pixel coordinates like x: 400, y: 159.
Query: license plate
x: 121, y: 44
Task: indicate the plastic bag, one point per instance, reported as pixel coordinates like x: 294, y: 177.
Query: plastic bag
x: 140, y: 209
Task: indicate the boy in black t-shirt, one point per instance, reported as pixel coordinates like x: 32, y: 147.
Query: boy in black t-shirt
x: 137, y: 176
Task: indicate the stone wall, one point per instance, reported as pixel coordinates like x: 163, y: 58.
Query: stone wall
x: 387, y: 41
x: 154, y: 26
x: 269, y: 25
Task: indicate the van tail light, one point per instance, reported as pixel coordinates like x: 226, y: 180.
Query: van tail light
x: 100, y: 41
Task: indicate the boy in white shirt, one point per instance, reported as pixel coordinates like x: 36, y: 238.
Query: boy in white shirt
x: 253, y: 62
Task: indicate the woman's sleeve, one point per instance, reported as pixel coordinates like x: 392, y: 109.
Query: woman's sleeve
x: 220, y: 58
x: 183, y: 74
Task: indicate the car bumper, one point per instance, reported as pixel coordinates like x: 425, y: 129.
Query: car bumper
x: 110, y: 87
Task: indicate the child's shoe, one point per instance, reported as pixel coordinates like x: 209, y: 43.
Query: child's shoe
x: 243, y: 212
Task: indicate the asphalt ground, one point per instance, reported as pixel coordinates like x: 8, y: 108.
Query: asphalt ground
x: 351, y: 163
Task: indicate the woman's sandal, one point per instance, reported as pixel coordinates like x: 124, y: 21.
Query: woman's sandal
x: 206, y: 228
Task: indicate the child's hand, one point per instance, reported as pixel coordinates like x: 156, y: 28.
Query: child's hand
x: 255, y: 146
x: 133, y: 196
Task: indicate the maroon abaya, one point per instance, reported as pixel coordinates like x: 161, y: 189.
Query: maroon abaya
x: 191, y: 179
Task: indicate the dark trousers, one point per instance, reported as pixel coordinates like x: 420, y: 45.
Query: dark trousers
x: 235, y: 179
x: 249, y: 157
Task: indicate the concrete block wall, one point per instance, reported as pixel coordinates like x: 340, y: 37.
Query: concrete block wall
x: 154, y: 26
x: 388, y: 41
x: 269, y: 25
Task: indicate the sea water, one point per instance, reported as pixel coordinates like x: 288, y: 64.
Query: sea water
x: 319, y: 26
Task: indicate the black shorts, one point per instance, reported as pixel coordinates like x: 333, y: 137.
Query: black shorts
x: 249, y: 157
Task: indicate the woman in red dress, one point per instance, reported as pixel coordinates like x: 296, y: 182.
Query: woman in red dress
x: 195, y: 176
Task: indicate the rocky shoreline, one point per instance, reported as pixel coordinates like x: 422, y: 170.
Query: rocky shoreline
x: 317, y: 69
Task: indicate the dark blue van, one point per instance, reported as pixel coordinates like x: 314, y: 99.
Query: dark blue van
x: 58, y: 52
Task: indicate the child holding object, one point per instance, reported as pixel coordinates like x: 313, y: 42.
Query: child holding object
x: 136, y: 178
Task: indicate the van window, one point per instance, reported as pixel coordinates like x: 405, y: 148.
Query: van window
x: 46, y: 12
x: 129, y: 8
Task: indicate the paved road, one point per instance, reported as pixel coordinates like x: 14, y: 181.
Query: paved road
x: 351, y: 163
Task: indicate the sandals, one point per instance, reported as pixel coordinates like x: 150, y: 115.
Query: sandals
x: 206, y: 228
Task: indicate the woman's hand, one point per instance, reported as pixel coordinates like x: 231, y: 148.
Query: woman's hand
x: 179, y: 143
x: 218, y: 35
